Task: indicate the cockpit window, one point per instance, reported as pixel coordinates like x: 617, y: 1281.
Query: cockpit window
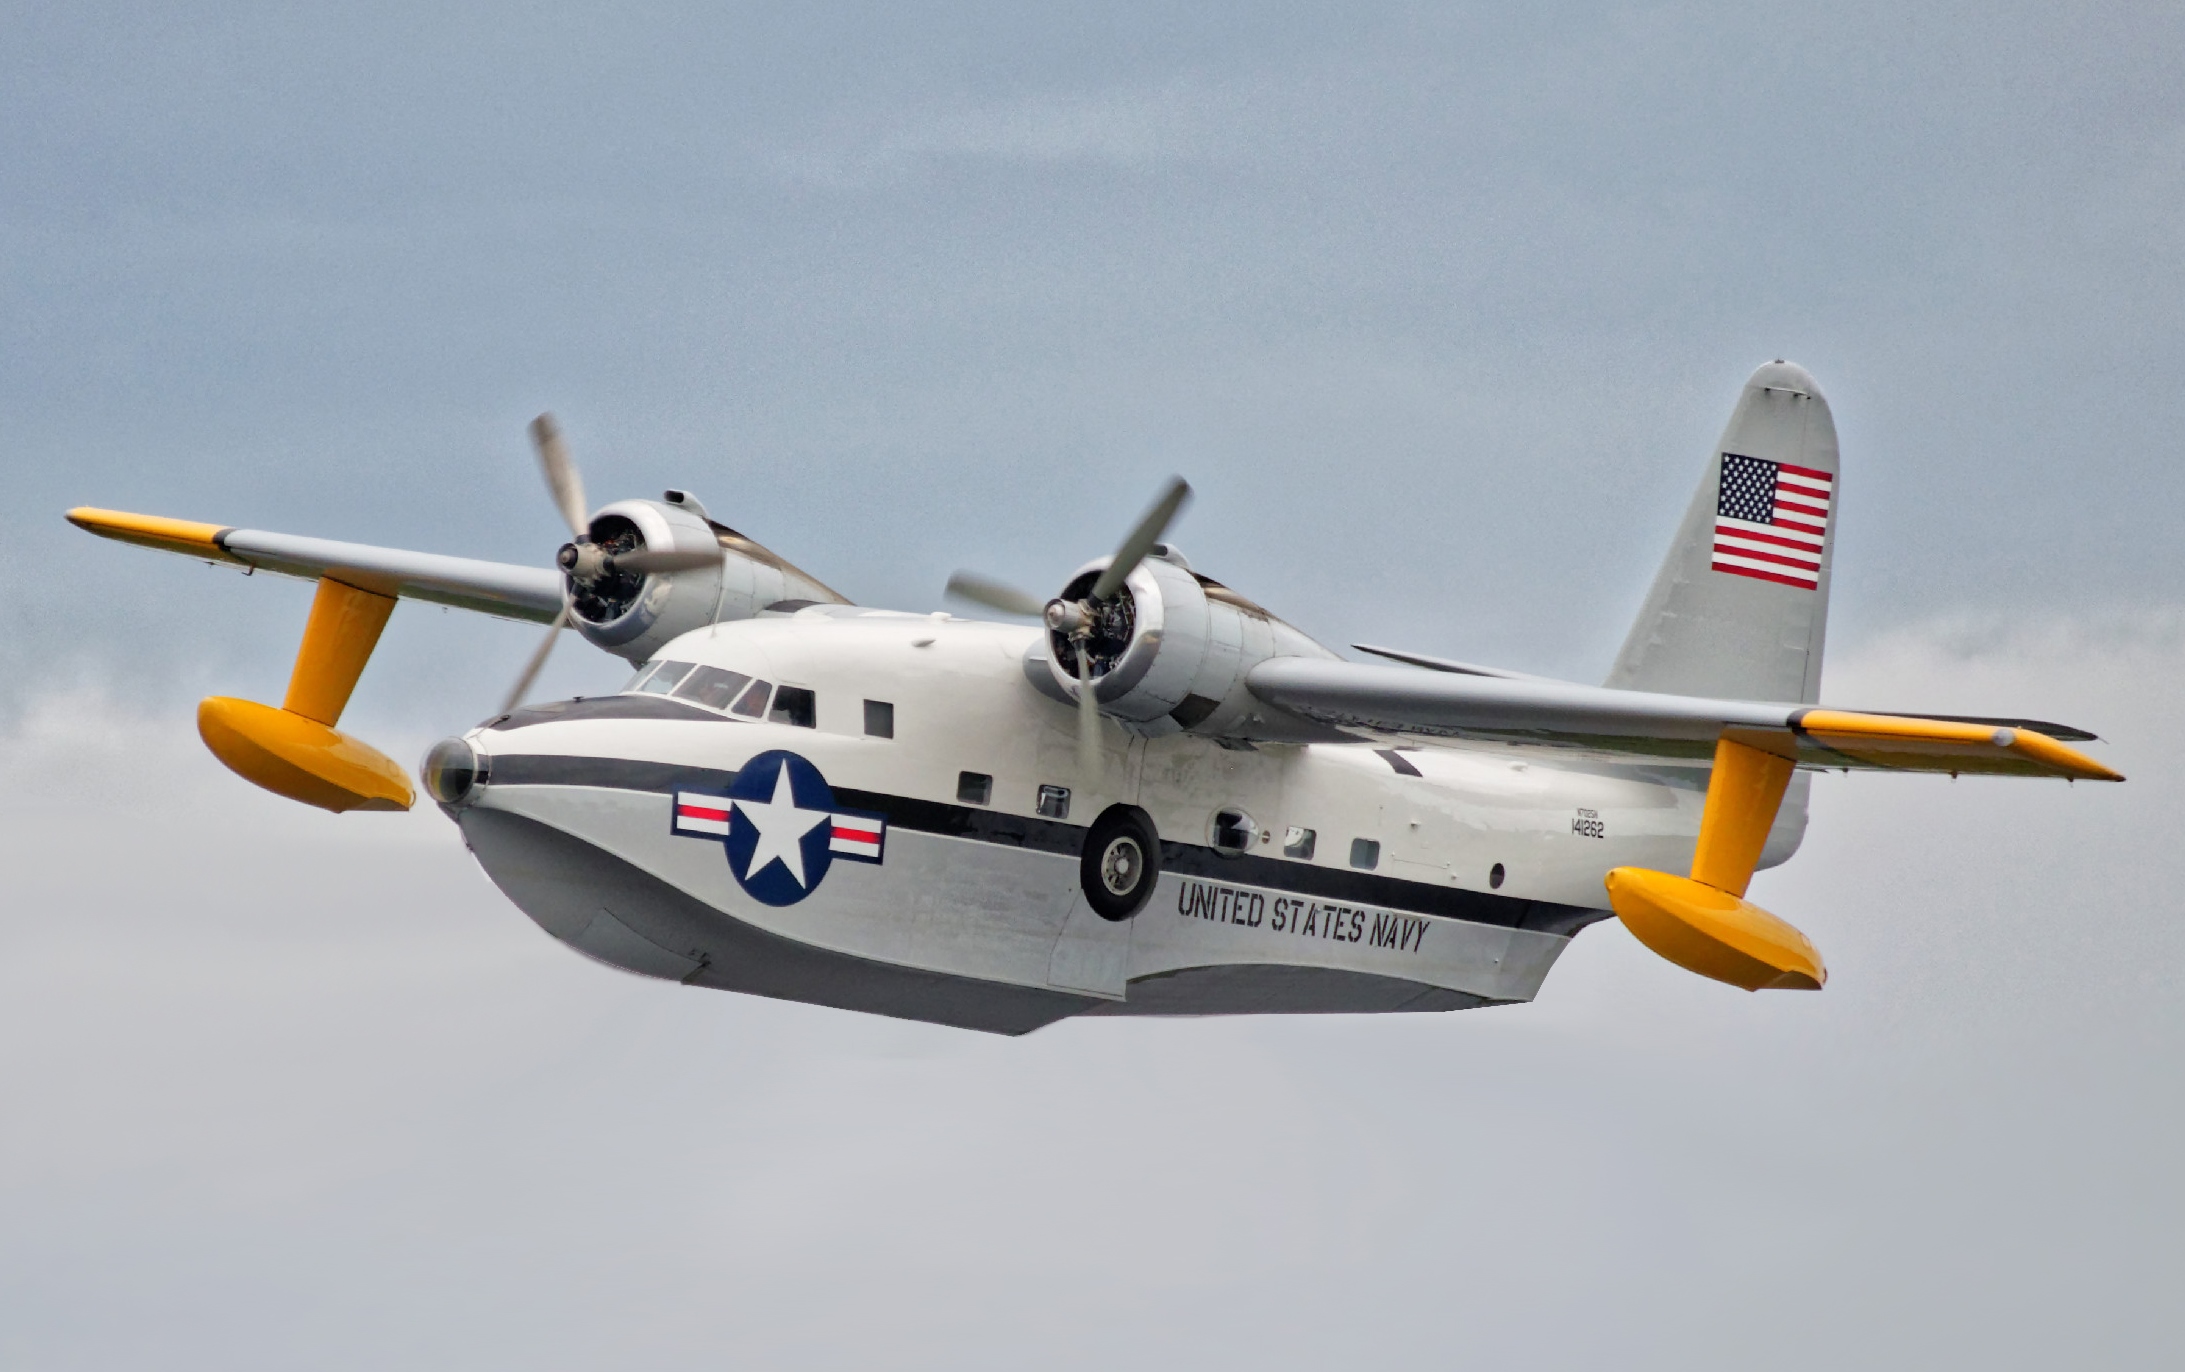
x: 796, y: 706
x: 713, y: 686
x: 754, y: 700
x: 660, y: 678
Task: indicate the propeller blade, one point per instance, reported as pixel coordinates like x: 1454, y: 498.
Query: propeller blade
x: 538, y: 660
x: 561, y: 474
x: 1089, y: 763
x: 665, y: 560
x: 1148, y: 532
x: 980, y: 590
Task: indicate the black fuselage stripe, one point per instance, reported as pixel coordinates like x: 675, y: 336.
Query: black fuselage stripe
x: 1068, y: 840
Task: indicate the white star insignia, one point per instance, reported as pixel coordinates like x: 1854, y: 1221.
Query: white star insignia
x: 782, y: 827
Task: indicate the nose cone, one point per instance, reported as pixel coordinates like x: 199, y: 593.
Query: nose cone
x: 1784, y: 376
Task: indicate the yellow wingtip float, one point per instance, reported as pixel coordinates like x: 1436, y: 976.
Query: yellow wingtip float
x: 293, y: 751
x: 1702, y: 922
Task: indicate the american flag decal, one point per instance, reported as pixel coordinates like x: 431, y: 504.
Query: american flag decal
x: 1770, y: 520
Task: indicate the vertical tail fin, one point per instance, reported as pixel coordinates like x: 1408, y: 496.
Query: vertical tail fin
x: 1740, y: 606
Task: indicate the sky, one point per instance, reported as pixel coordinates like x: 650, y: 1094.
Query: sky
x: 1440, y: 309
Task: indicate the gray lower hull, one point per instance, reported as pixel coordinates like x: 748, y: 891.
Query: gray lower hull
x: 566, y: 884
x: 616, y: 911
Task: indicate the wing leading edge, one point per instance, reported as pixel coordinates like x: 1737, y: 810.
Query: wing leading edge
x: 1372, y: 700
x: 495, y: 588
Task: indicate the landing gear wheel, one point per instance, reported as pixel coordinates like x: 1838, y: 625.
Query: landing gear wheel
x: 1121, y: 863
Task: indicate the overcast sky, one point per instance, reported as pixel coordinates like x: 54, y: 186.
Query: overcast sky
x: 1440, y: 309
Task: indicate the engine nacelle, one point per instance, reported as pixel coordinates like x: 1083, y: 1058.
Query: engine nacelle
x: 1170, y: 654
x: 633, y: 614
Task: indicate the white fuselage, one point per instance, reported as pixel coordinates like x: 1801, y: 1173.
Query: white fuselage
x: 1437, y: 877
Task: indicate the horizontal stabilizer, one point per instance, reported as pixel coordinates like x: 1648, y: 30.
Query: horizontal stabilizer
x: 1372, y: 701
x: 494, y: 588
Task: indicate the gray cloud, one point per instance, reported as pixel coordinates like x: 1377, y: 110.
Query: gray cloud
x: 1439, y: 308
x: 292, y: 1086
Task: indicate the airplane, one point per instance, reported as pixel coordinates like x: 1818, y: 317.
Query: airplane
x: 1146, y: 795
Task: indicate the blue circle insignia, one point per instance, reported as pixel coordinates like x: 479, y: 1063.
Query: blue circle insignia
x: 781, y: 827
x: 780, y: 831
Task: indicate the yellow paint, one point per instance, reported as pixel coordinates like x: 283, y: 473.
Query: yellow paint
x: 155, y: 531
x: 337, y: 641
x: 300, y: 758
x: 1714, y: 933
x: 1742, y: 798
x: 1935, y: 745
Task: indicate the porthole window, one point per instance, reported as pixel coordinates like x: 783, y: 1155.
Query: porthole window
x: 1494, y: 877
x: 879, y: 719
x: 1298, y: 843
x: 1054, y: 802
x: 1232, y: 832
x: 1365, y: 853
x: 974, y: 788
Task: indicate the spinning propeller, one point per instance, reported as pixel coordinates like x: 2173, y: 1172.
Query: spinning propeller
x: 582, y: 561
x: 1103, y: 612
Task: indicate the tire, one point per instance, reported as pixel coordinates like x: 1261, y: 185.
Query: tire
x: 1121, y: 863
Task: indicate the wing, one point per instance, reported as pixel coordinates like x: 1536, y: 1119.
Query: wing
x: 494, y: 588
x: 1395, y: 703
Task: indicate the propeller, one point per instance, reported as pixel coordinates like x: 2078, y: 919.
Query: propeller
x: 583, y: 560
x: 1076, y: 619
x: 562, y: 480
x: 994, y: 595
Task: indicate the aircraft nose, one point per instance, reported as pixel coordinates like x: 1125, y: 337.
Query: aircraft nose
x: 452, y: 771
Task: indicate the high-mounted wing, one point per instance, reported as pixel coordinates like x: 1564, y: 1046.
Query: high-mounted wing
x: 494, y: 588
x: 1395, y: 702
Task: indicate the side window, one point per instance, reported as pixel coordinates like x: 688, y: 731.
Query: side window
x: 1365, y: 853
x: 974, y: 788
x: 1298, y: 843
x: 1233, y: 832
x: 661, y: 679
x: 754, y: 700
x: 879, y: 719
x: 796, y: 706
x: 712, y: 686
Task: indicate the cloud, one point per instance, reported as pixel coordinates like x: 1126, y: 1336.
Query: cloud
x: 289, y: 1086
x: 1127, y: 128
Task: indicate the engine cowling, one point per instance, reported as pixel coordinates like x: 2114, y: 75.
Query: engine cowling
x: 634, y: 614
x: 1169, y: 653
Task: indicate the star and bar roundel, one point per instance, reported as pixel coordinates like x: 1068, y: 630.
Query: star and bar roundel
x: 1771, y: 520
x: 781, y: 827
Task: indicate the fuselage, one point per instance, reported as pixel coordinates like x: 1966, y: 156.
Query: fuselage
x: 940, y: 877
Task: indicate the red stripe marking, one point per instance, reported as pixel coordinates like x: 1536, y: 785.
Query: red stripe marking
x: 1758, y: 575
x: 1803, y: 545
x: 1785, y: 503
x: 858, y: 835
x: 700, y: 812
x: 1807, y: 471
x: 1768, y: 557
x: 1783, y: 522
